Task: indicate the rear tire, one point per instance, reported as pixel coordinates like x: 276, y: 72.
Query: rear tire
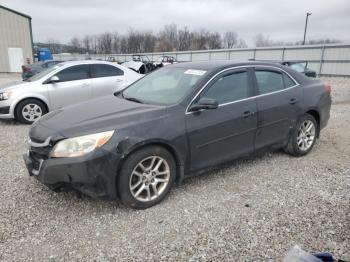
x: 146, y: 177
x: 303, y: 137
x: 29, y: 110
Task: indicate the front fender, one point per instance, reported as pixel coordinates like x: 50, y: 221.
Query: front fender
x: 27, y: 96
x: 131, y: 144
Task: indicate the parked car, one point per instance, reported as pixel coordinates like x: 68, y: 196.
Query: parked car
x: 32, y: 69
x: 173, y: 123
x: 64, y: 84
x: 297, y: 65
x: 140, y: 64
x: 300, y: 66
x: 164, y: 61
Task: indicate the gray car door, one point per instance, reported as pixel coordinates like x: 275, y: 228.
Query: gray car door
x: 278, y: 102
x: 221, y: 134
x: 106, y: 79
x: 74, y: 86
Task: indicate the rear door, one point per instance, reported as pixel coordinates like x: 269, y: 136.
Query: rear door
x: 74, y: 86
x: 106, y: 79
x: 227, y: 132
x: 278, y: 101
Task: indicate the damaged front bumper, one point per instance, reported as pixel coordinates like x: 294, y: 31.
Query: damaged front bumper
x: 93, y: 175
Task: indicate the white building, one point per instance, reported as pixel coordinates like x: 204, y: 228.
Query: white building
x: 16, y: 40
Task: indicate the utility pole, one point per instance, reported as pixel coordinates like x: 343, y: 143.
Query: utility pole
x: 307, y: 18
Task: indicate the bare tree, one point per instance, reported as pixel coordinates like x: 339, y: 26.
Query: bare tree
x: 115, y: 43
x: 148, y: 42
x: 184, y: 39
x: 167, y: 40
x: 261, y: 40
x: 241, y: 43
x: 87, y: 43
x: 105, y: 42
x: 214, y: 41
x: 75, y: 45
x: 200, y: 40
x: 230, y: 39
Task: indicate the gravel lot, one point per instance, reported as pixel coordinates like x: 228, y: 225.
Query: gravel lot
x: 255, y: 209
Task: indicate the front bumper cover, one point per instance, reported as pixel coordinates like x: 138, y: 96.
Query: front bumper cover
x: 93, y: 174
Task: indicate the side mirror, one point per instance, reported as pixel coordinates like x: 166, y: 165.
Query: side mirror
x: 204, y: 104
x: 53, y: 79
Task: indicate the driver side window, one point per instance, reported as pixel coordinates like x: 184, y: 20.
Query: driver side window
x: 74, y: 73
x: 229, y: 88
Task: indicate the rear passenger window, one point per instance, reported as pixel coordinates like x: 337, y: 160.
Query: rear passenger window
x: 269, y: 81
x: 288, y: 82
x: 73, y: 73
x: 229, y: 88
x: 106, y: 71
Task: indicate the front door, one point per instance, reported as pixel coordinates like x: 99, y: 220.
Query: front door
x: 225, y: 133
x: 74, y: 86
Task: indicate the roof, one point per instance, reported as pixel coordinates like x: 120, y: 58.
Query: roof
x: 87, y: 62
x: 212, y: 65
x: 16, y: 12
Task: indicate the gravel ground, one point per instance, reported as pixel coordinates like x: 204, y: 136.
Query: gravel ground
x: 255, y: 209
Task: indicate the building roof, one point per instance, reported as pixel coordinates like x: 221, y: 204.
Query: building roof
x: 14, y: 11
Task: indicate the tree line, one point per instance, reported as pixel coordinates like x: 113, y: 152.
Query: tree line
x: 170, y: 38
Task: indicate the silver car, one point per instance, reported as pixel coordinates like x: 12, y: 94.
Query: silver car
x: 64, y: 84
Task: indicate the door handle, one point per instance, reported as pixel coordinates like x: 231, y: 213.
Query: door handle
x: 293, y: 101
x: 85, y: 84
x: 119, y: 80
x: 247, y: 114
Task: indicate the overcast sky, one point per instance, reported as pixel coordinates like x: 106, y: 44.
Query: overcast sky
x: 280, y: 20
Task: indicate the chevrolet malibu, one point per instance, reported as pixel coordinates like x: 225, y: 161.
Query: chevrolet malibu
x: 61, y: 85
x: 173, y: 123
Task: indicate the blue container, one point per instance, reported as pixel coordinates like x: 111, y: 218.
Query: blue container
x: 44, y: 54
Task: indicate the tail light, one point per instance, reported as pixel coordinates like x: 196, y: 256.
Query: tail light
x: 327, y: 88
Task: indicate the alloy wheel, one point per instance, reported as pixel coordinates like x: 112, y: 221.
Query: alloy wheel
x: 31, y: 112
x: 149, y: 179
x: 306, y: 135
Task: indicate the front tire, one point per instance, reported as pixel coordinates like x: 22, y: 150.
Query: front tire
x: 146, y: 177
x: 29, y: 110
x: 303, y: 136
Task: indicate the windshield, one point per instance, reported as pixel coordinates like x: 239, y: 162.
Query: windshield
x: 165, y: 86
x: 43, y: 73
x: 300, y: 67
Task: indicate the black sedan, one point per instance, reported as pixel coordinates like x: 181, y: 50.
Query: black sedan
x: 173, y: 123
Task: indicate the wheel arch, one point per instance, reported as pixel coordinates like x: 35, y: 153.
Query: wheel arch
x: 166, y: 145
x: 316, y: 114
x: 26, y: 98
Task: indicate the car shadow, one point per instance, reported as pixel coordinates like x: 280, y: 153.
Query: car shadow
x: 207, y: 176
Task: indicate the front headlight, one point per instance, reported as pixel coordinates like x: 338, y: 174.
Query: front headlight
x: 78, y: 146
x: 5, y: 95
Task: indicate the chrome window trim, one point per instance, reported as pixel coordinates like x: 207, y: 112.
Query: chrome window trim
x: 248, y: 98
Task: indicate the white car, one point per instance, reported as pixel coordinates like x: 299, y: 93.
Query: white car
x: 64, y: 84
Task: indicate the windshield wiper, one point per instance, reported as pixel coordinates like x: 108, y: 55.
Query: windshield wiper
x: 133, y: 99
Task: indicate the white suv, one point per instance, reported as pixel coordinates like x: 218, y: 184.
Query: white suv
x: 64, y: 84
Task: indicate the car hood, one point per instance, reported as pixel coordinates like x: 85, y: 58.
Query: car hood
x: 97, y: 115
x: 13, y: 85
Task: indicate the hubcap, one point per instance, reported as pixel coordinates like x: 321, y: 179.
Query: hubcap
x: 306, y: 135
x: 31, y: 112
x: 149, y: 178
